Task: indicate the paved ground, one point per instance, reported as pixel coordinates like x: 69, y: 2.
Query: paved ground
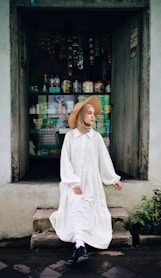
x: 139, y: 262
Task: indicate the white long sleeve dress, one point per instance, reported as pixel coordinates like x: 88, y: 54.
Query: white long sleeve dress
x: 85, y: 161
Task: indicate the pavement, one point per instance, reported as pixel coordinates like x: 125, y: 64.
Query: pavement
x: 120, y: 262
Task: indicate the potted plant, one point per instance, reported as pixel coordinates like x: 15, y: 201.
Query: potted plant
x: 146, y: 217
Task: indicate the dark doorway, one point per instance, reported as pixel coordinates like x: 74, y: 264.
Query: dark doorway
x: 69, y: 21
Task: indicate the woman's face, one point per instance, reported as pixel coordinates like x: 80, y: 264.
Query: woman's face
x: 89, y: 117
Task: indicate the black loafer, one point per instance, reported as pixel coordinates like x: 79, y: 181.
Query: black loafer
x: 73, y: 259
x: 82, y: 255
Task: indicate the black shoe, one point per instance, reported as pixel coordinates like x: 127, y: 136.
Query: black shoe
x: 82, y: 255
x: 73, y: 258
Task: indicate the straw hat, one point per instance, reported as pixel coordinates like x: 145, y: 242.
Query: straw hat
x: 93, y: 100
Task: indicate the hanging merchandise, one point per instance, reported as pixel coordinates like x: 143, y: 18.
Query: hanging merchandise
x: 106, y: 58
x: 63, y: 47
x: 80, y: 55
x: 75, y: 50
x: 91, y: 51
x: 97, y: 49
x: 69, y: 56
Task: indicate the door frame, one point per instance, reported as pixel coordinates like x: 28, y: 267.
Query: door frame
x: 144, y: 84
x: 144, y: 100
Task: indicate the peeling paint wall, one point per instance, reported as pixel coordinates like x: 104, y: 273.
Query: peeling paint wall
x: 5, y: 111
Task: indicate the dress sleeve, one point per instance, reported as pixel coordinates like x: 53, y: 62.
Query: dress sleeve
x: 68, y: 177
x: 106, y: 167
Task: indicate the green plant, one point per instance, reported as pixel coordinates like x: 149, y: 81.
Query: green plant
x: 149, y: 210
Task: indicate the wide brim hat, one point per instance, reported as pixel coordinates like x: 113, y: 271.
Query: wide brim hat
x: 93, y: 100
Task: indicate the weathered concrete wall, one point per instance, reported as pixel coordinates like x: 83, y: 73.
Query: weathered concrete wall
x: 155, y: 93
x: 5, y: 112
x: 19, y: 201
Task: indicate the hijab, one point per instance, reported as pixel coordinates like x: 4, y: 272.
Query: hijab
x: 80, y: 124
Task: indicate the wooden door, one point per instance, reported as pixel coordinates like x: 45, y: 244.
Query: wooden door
x: 126, y: 44
x: 23, y: 102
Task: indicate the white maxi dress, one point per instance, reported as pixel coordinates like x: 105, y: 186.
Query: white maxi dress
x: 85, y: 161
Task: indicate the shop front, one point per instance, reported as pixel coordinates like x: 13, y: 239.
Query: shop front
x: 62, y: 54
x: 107, y: 48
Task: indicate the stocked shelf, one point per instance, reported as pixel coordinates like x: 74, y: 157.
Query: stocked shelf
x: 47, y: 129
x: 72, y: 68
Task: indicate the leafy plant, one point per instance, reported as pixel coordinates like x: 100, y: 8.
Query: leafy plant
x: 149, y: 210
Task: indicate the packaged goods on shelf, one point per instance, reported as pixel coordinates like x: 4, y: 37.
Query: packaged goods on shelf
x: 70, y: 67
x: 98, y: 86
x: 107, y: 108
x: 87, y: 86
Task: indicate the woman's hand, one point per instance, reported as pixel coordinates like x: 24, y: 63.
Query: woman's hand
x: 77, y: 190
x: 118, y: 185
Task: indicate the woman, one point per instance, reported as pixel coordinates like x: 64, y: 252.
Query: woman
x: 83, y: 217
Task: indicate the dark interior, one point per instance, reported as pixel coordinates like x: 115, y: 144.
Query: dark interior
x: 75, y: 20
x: 66, y: 21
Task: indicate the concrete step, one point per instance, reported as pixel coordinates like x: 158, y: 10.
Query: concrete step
x: 44, y: 236
x: 41, y: 221
x: 119, y: 239
x: 120, y: 219
x: 147, y: 240
x: 50, y: 239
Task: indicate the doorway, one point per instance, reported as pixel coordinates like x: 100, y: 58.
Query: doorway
x: 126, y: 95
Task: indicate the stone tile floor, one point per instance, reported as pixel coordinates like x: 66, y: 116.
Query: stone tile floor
x: 142, y: 262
